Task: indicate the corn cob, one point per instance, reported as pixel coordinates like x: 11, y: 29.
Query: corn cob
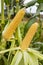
x: 31, y: 32
x: 7, y: 33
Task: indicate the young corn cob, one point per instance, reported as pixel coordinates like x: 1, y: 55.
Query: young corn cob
x: 31, y: 32
x: 7, y: 33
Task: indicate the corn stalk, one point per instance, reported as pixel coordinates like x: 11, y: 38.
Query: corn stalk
x: 2, y: 11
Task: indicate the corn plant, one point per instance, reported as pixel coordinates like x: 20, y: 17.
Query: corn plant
x: 26, y: 53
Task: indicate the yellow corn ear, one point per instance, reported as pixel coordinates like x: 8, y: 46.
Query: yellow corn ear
x: 7, y: 33
x: 31, y: 32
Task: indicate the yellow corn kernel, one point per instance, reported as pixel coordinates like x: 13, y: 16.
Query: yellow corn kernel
x: 31, y: 32
x: 7, y: 33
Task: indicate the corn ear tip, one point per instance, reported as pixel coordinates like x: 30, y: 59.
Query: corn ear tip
x: 24, y: 8
x: 37, y: 24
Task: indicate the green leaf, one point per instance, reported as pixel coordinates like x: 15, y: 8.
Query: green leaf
x: 40, y: 8
x: 5, y: 60
x: 21, y: 62
x: 9, y: 50
x: 30, y: 59
x: 30, y: 3
x: 34, y: 59
x: 17, y: 58
x: 28, y: 24
x: 7, y: 2
x: 38, y: 54
x: 25, y: 55
x: 18, y: 35
x: 40, y: 1
x: 38, y: 46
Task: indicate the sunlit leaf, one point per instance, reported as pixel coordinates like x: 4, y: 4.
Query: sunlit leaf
x: 30, y: 59
x: 21, y: 62
x: 25, y: 55
x: 38, y: 54
x: 34, y: 59
x: 17, y: 58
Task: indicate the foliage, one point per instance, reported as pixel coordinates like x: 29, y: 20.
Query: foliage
x: 9, y: 51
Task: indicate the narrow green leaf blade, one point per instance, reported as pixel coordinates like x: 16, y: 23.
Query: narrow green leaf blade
x: 17, y: 58
x: 28, y: 24
x: 22, y: 61
x: 25, y: 54
x: 39, y: 55
x: 34, y: 59
x: 30, y: 59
